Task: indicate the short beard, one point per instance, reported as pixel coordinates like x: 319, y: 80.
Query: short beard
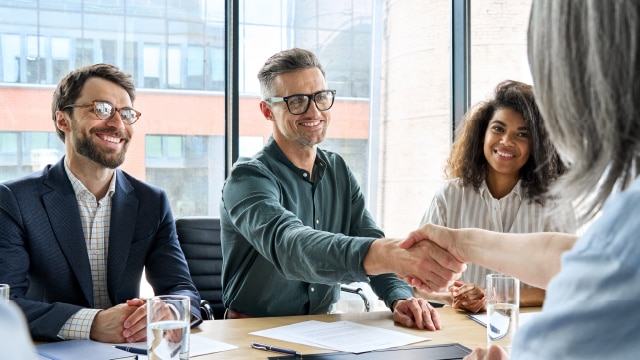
x: 86, y: 147
x: 304, y: 141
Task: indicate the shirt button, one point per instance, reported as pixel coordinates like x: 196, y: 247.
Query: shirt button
x: 317, y: 221
x: 304, y: 175
x: 313, y: 289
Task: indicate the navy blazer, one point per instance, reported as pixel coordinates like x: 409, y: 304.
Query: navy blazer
x: 43, y: 254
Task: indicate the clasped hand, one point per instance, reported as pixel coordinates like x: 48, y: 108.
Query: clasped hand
x: 439, y: 262
x: 121, y: 323
x: 468, y: 297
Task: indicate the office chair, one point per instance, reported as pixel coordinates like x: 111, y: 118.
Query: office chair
x: 358, y: 291
x: 199, y: 238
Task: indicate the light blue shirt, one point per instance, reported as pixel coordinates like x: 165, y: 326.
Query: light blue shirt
x: 592, y: 306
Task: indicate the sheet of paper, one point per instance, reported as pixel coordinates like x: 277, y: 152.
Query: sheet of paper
x: 522, y: 318
x: 340, y: 335
x: 198, y: 345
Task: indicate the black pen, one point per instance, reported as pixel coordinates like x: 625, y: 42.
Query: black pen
x: 132, y: 349
x: 265, y: 347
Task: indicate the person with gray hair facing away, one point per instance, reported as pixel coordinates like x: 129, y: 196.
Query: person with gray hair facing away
x: 293, y: 218
x: 585, y: 61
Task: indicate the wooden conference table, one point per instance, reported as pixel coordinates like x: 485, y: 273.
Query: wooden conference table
x: 457, y: 328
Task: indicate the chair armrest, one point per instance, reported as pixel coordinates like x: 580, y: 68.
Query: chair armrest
x: 205, y: 310
x: 358, y: 291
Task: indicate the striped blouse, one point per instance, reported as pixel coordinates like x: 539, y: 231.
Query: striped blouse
x: 458, y: 206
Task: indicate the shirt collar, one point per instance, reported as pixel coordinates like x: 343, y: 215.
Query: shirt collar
x: 516, y: 191
x: 79, y: 188
x: 320, y: 164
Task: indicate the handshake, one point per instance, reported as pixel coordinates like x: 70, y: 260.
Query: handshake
x: 427, y: 259
x: 433, y: 257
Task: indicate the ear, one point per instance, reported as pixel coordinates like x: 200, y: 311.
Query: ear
x: 265, y: 109
x: 62, y: 121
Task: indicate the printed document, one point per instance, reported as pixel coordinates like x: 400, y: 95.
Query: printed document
x: 344, y: 336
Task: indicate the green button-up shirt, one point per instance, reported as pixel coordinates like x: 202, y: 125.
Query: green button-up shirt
x: 288, y: 241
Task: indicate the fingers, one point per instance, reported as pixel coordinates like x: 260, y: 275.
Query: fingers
x: 468, y: 297
x: 468, y: 292
x: 136, y: 333
x: 417, y: 312
x: 435, y: 267
x: 495, y: 352
x: 413, y: 238
x: 136, y: 302
x: 135, y: 325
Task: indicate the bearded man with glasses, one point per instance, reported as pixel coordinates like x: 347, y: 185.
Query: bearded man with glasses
x: 294, y: 221
x: 77, y: 235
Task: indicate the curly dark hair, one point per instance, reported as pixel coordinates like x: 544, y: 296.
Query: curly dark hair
x: 467, y: 160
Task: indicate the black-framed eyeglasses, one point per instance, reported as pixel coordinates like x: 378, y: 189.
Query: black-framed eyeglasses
x: 105, y: 110
x: 299, y: 103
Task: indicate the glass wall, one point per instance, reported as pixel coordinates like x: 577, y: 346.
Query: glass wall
x: 388, y: 60
x: 175, y: 53
x: 498, y: 45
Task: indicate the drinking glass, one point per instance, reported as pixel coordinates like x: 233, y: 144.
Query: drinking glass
x: 503, y: 308
x: 168, y: 321
x: 4, y: 292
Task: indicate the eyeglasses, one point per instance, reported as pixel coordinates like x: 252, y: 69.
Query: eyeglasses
x: 299, y: 103
x: 104, y: 110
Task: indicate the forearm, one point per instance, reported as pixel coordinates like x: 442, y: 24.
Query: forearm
x: 533, y: 258
x: 531, y: 297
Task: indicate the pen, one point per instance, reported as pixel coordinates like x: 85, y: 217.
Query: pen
x: 265, y: 347
x: 132, y: 349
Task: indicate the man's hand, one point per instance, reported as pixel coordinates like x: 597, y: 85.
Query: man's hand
x: 495, y: 352
x: 121, y: 323
x: 440, y: 241
x: 416, y: 312
x: 432, y: 267
x: 469, y: 297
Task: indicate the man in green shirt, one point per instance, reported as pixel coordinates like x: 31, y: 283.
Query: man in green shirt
x: 294, y: 221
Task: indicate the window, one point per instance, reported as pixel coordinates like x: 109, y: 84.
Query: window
x: 10, y: 52
x: 498, y: 45
x: 388, y: 60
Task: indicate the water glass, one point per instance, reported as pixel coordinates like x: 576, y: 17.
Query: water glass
x: 168, y: 321
x: 503, y: 308
x: 4, y: 292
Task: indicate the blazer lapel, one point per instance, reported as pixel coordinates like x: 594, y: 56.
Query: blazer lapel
x: 62, y: 208
x: 124, y: 212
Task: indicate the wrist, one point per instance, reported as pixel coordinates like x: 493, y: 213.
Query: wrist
x: 373, y: 261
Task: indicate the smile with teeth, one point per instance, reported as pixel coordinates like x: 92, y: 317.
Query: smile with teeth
x: 504, y: 154
x: 111, y: 139
x: 310, y: 123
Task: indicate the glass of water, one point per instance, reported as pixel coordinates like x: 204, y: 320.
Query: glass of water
x: 5, y: 290
x: 503, y: 308
x: 168, y: 321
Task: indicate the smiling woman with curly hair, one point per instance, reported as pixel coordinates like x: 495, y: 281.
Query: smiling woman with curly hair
x: 499, y: 171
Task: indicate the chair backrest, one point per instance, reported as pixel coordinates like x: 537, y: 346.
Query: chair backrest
x: 199, y: 238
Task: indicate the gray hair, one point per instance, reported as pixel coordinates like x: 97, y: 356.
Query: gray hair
x: 584, y: 60
x: 285, y: 61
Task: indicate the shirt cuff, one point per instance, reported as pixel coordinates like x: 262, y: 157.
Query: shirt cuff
x: 78, y: 326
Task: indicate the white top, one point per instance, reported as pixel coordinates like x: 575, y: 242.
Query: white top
x: 458, y: 206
